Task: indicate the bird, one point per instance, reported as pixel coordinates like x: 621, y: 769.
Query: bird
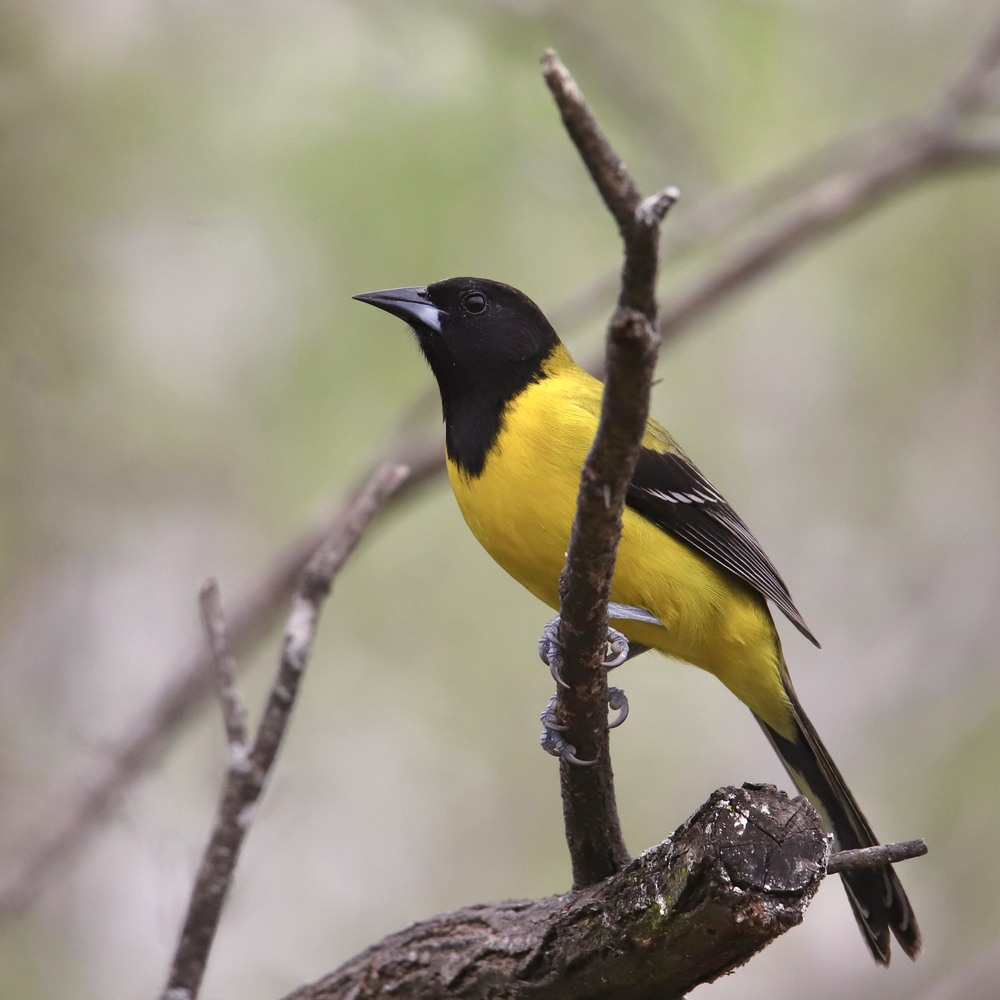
x: 520, y: 416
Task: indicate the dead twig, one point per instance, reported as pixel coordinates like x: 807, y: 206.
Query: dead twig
x: 234, y: 715
x: 873, y: 857
x: 250, y: 763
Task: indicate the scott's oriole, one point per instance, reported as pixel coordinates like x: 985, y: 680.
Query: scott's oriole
x: 520, y: 417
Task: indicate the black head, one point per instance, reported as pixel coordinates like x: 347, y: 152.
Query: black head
x: 486, y: 343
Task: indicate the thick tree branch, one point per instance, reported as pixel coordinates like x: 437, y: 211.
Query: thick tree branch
x: 736, y: 875
x: 250, y: 765
x: 593, y: 832
x: 76, y: 813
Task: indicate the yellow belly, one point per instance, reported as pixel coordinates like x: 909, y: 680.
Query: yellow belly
x: 521, y: 509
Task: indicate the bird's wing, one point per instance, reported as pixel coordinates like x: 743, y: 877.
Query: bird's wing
x: 671, y: 493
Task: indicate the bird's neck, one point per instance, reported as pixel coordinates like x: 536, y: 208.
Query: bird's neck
x: 474, y: 409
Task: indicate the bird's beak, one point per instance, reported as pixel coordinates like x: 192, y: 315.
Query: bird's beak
x: 410, y: 304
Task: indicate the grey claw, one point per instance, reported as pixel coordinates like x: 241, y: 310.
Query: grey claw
x: 553, y: 743
x: 617, y: 701
x: 548, y: 650
x: 549, y: 719
x: 567, y: 755
x: 619, y: 649
x: 556, y: 676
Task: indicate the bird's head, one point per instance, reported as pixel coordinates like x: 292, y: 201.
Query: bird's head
x: 480, y: 337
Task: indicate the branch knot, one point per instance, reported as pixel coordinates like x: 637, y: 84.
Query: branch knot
x: 651, y: 211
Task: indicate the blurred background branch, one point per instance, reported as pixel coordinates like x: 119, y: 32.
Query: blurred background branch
x: 250, y: 762
x: 250, y: 622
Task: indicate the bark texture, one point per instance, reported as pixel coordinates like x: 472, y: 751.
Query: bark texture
x: 736, y: 875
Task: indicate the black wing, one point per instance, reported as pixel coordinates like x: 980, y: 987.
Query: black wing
x: 671, y: 493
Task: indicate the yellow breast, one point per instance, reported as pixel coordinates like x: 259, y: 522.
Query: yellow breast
x: 521, y: 509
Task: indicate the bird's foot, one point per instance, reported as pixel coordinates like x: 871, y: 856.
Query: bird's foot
x: 619, y: 703
x: 551, y: 652
x: 552, y: 739
x: 618, y: 651
x: 552, y: 729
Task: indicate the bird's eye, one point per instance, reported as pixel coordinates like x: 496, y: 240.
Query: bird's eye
x: 474, y: 303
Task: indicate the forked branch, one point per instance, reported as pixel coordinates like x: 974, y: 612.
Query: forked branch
x: 251, y: 763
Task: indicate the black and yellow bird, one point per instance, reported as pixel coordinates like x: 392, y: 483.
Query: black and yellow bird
x: 520, y: 416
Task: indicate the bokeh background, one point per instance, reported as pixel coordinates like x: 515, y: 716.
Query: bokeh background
x: 191, y: 192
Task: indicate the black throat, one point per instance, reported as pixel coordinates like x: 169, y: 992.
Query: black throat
x: 474, y: 402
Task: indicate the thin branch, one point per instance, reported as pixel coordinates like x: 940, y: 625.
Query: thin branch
x: 638, y: 220
x: 918, y: 149
x: 826, y: 207
x: 971, y: 84
x: 76, y: 813
x: 606, y: 168
x: 637, y: 93
x: 723, y: 211
x: 873, y: 857
x: 931, y: 144
x: 593, y: 832
x: 234, y: 715
x: 248, y: 772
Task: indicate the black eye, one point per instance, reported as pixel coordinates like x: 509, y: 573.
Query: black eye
x: 474, y: 303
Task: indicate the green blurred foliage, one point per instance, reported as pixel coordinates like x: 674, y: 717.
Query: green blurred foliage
x: 189, y: 195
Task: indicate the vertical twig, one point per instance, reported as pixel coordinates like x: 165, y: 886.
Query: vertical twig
x: 593, y: 831
x: 249, y: 765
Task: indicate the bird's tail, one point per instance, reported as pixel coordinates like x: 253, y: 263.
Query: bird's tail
x: 876, y: 896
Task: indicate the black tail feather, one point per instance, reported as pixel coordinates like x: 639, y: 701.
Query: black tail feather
x: 876, y: 895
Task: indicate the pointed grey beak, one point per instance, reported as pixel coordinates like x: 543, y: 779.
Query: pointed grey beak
x: 410, y: 304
